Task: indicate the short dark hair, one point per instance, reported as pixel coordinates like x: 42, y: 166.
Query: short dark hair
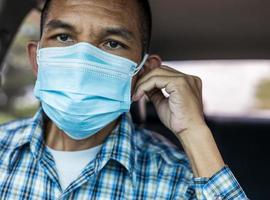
x: 145, y: 16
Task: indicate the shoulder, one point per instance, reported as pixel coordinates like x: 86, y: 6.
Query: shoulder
x: 13, y: 132
x: 155, y: 145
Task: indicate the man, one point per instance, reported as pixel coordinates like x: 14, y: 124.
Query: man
x: 91, y: 59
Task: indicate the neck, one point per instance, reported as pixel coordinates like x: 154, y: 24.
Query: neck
x: 58, y: 140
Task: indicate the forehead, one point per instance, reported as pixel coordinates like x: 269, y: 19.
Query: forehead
x: 104, y: 5
x: 97, y: 12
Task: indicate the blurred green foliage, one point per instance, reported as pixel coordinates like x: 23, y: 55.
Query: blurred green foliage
x: 5, y: 118
x: 263, y: 94
x: 17, y: 114
x: 16, y: 92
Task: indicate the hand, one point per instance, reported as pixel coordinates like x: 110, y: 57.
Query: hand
x: 183, y: 109
x: 182, y: 113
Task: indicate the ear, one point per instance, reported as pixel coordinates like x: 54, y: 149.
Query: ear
x: 153, y: 62
x: 32, y: 55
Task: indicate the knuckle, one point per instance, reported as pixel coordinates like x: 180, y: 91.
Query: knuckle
x: 139, y: 82
x: 153, y: 78
x: 196, y: 79
x: 199, y: 80
x: 158, y: 71
x: 182, y: 81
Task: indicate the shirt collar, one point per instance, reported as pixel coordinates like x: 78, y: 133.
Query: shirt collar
x: 31, y: 135
x: 34, y: 136
x: 119, y: 145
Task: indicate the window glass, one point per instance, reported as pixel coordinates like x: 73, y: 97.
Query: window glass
x: 16, y: 92
x: 234, y: 88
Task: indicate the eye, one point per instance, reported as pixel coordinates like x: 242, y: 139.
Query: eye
x: 63, y: 38
x: 114, y: 45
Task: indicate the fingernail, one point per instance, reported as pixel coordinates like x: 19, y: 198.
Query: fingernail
x: 134, y: 97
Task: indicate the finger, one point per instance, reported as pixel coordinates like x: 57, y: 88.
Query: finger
x: 195, y: 84
x: 197, y: 89
x: 159, y: 82
x: 170, y: 69
x: 199, y: 83
x: 158, y: 72
x: 155, y: 96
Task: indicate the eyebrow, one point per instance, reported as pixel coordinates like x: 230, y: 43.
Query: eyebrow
x: 118, y: 31
x: 56, y: 24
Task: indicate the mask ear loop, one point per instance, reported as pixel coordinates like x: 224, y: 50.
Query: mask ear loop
x: 139, y: 67
x: 38, y: 53
x: 38, y: 45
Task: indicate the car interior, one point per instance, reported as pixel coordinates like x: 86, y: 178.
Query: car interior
x: 197, y: 30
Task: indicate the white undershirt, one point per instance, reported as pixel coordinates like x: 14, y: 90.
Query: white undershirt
x: 70, y: 164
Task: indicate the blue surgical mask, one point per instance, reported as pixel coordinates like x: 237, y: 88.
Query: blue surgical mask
x: 82, y: 88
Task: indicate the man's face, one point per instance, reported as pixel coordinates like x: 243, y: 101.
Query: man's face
x: 113, y: 26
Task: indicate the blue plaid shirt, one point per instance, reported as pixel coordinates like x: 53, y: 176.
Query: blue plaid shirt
x: 132, y: 164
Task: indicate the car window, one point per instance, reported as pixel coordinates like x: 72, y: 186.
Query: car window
x: 232, y: 88
x: 16, y: 92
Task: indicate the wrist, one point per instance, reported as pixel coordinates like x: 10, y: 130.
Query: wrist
x: 202, y: 151
x: 194, y: 132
